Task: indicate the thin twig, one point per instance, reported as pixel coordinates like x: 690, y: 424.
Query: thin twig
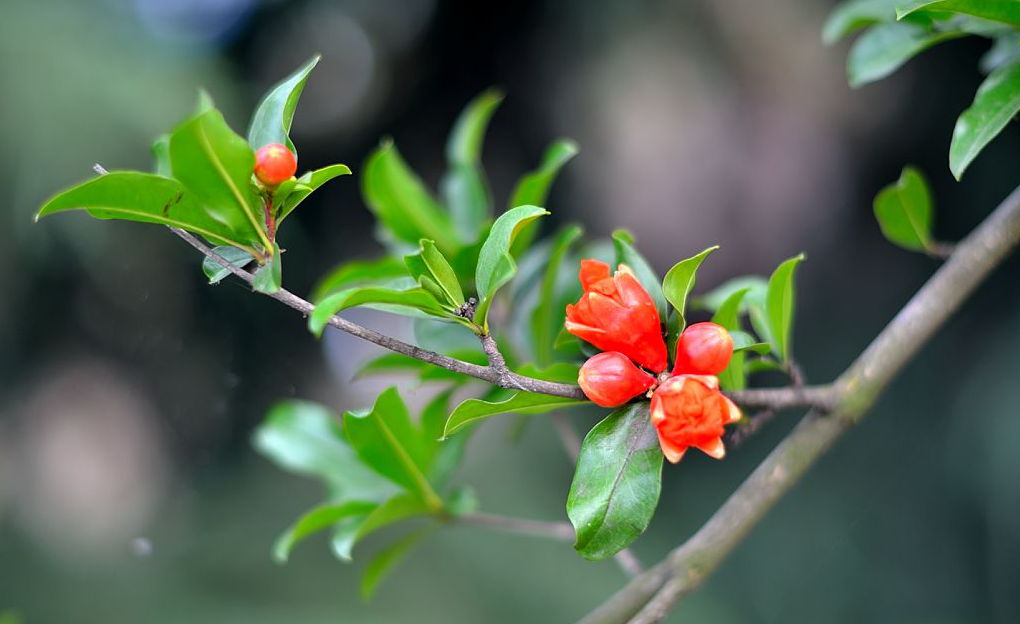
x: 522, y: 526
x: 651, y: 595
x: 748, y: 427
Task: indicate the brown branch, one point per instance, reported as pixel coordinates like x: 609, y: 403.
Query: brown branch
x: 651, y: 595
x: 522, y: 526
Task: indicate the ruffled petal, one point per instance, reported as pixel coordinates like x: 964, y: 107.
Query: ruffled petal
x: 592, y: 271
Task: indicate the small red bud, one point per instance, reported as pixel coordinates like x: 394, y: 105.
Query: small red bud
x: 610, y: 379
x: 274, y: 163
x: 703, y: 349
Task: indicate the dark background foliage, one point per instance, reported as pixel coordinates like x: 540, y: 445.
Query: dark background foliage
x: 129, y: 389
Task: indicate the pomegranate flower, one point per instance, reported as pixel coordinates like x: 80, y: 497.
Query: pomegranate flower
x: 616, y: 313
x: 703, y: 349
x: 610, y: 379
x: 690, y: 410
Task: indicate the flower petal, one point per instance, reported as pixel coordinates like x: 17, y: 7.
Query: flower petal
x: 715, y: 448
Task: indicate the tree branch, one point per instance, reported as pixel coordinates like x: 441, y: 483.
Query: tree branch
x: 522, y: 526
x: 651, y: 595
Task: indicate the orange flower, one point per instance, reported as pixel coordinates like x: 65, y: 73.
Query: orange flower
x: 610, y: 379
x: 616, y: 313
x: 689, y: 410
x: 703, y: 349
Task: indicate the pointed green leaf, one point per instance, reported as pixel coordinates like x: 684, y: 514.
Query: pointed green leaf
x: 996, y: 102
x: 307, y: 184
x: 679, y: 282
x: 397, y: 509
x: 147, y: 198
x: 161, y: 155
x: 236, y: 257
x: 387, y: 559
x: 475, y: 410
x: 359, y: 273
x: 464, y: 188
x: 274, y: 114
x: 728, y: 315
x: 386, y: 440
x: 854, y: 15
x: 547, y: 317
x: 305, y: 438
x: 344, y: 533
x: 397, y: 301
x: 268, y: 278
x: 401, y: 202
x: 627, y: 254
x: 904, y: 211
x: 1004, y: 11
x: 495, y: 264
x: 216, y: 165
x: 431, y: 263
x: 316, y: 520
x: 779, y: 306
x: 886, y: 47
x: 533, y: 188
x: 616, y: 484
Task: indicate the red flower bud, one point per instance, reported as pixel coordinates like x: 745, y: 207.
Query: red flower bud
x: 689, y: 410
x: 274, y: 163
x: 703, y: 349
x: 615, y: 313
x: 610, y: 379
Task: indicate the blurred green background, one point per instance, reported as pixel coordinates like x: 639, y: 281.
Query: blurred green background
x: 129, y: 389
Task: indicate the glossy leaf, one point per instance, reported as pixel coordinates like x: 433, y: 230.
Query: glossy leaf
x: 359, y: 273
x: 996, y: 102
x: 397, y: 509
x: 679, y: 282
x: 431, y: 263
x: 904, y: 211
x: 728, y: 315
x: 216, y: 165
x: 496, y: 266
x: 627, y: 254
x: 387, y: 559
x: 473, y: 411
x: 274, y: 114
x: 533, y: 188
x: 268, y: 278
x: 779, y: 305
x: 307, y: 184
x: 464, y: 188
x: 236, y: 257
x: 401, y: 202
x: 886, y: 47
x: 386, y: 440
x: 395, y: 300
x: 1004, y: 11
x: 305, y: 438
x: 315, y: 520
x: 547, y: 317
x: 616, y: 484
x: 161, y: 156
x: 144, y: 197
x: 854, y: 15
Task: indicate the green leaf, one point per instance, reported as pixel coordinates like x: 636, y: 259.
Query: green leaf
x: 1005, y: 50
x: 474, y: 410
x: 397, y: 509
x: 904, y: 211
x: 616, y: 484
x: 274, y: 114
x: 304, y: 438
x: 359, y: 273
x: 268, y: 278
x: 547, y: 317
x: 344, y: 533
x: 316, y: 520
x: 386, y: 440
x: 627, y: 254
x: 401, y: 202
x: 147, y: 198
x: 431, y: 262
x: 852, y: 16
x: 464, y: 188
x: 886, y: 47
x: 533, y: 188
x: 996, y: 102
x: 307, y: 184
x: 1004, y: 11
x: 495, y: 264
x: 728, y: 315
x: 395, y: 300
x: 779, y: 306
x: 161, y: 155
x: 387, y: 559
x: 236, y: 257
x: 679, y: 282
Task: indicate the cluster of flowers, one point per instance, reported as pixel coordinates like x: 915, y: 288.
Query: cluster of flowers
x: 617, y: 315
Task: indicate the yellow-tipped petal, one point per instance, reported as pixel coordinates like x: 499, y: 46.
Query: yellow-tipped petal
x: 714, y: 449
x: 733, y: 410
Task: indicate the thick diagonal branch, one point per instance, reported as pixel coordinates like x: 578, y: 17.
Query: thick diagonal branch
x: 650, y: 596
